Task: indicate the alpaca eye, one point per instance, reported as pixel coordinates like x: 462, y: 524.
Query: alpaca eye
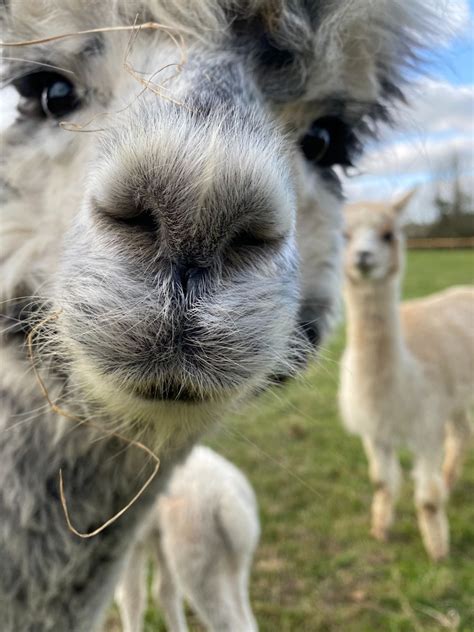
x: 316, y: 144
x: 46, y: 94
x: 387, y: 236
x: 330, y: 141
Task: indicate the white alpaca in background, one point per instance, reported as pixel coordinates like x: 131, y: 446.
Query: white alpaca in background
x: 203, y: 534
x: 407, y: 373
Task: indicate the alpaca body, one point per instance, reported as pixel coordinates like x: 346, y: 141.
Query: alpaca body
x: 420, y: 355
x: 149, y: 244
x: 202, y: 533
x: 407, y: 373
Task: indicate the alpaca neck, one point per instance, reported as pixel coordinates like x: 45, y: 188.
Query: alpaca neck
x: 373, y: 323
x: 101, y: 475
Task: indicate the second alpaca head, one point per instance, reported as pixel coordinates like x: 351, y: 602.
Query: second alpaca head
x: 374, y: 251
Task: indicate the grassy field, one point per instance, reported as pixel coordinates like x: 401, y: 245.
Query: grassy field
x: 316, y: 568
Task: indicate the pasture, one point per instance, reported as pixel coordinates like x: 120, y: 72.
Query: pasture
x: 316, y: 568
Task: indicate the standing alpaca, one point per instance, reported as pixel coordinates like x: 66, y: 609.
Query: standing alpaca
x: 152, y: 238
x: 407, y: 374
x: 204, y: 531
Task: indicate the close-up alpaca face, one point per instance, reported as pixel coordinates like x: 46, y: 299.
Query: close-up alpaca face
x: 374, y: 241
x: 185, y: 271
x: 162, y: 214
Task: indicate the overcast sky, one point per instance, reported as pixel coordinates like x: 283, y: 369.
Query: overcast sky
x: 438, y: 123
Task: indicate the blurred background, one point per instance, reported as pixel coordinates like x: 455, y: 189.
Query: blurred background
x: 431, y: 146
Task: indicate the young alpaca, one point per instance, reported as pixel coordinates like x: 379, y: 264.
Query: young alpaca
x: 203, y: 531
x: 407, y: 373
x: 153, y: 238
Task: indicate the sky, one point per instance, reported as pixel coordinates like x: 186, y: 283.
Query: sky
x: 437, y: 125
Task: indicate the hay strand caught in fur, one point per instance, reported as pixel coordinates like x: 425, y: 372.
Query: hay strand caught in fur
x: 107, y: 29
x: 29, y: 340
x: 116, y: 516
x: 147, y: 84
x: 36, y: 63
x: 84, y: 422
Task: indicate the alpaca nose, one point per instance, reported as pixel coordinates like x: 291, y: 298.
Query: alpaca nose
x: 364, y: 260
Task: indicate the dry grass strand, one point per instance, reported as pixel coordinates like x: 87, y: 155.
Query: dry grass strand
x: 84, y: 422
x: 107, y: 29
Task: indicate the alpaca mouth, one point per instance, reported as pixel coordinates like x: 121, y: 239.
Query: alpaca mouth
x: 365, y: 268
x: 171, y: 392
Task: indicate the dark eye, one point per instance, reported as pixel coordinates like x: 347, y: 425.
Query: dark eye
x: 387, y: 236
x: 330, y: 141
x: 46, y: 94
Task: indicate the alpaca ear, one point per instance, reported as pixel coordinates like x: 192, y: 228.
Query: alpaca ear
x: 400, y: 204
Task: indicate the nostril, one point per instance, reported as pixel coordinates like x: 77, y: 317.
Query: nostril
x: 144, y: 220
x: 126, y: 214
x: 247, y: 239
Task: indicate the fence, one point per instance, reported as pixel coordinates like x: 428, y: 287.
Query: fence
x: 440, y: 243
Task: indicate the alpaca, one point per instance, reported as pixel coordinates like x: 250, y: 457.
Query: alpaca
x: 204, y: 531
x: 170, y: 239
x: 407, y: 373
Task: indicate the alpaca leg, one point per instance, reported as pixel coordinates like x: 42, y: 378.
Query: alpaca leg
x: 219, y: 596
x: 430, y: 498
x: 130, y: 595
x: 212, y: 569
x: 166, y: 592
x: 458, y: 435
x: 249, y: 623
x: 384, y: 471
x: 243, y: 599
x: 215, y: 575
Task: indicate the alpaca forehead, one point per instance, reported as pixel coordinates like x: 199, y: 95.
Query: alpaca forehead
x: 369, y: 217
x: 212, y: 15
x: 191, y: 17
x: 346, y: 52
x: 365, y: 238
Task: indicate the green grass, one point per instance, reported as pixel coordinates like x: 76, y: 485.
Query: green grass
x: 317, y: 568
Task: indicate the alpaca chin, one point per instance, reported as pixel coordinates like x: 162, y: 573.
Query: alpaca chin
x: 162, y: 421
